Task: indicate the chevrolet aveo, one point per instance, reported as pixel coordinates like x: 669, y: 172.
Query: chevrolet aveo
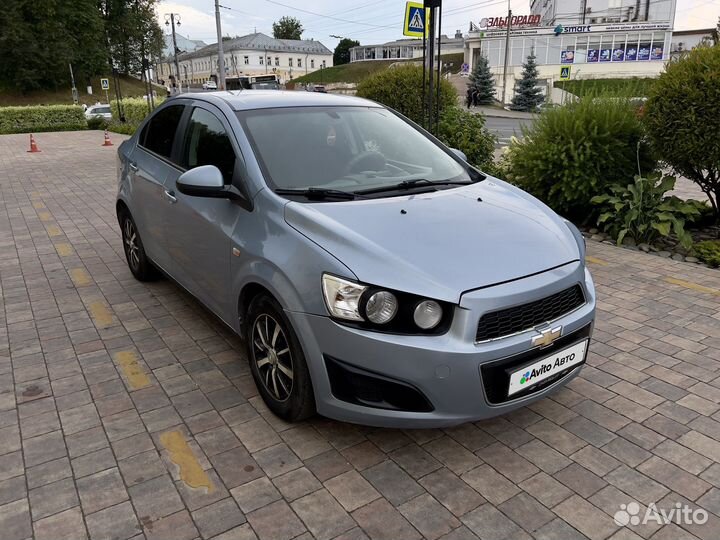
x: 374, y: 276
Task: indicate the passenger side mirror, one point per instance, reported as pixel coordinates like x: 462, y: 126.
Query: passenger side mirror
x: 459, y: 153
x: 203, y: 181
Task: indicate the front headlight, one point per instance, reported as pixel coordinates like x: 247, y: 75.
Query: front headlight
x: 342, y: 297
x: 384, y: 310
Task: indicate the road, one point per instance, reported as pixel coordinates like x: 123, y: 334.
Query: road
x: 505, y: 128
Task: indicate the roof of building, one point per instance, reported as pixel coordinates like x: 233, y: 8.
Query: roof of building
x: 413, y: 42
x: 261, y: 42
x: 698, y: 32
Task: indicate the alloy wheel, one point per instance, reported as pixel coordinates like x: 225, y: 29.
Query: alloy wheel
x: 272, y: 357
x: 132, y: 250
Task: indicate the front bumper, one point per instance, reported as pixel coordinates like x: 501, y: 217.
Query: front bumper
x: 447, y: 370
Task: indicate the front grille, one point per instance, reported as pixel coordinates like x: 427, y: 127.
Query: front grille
x: 520, y: 318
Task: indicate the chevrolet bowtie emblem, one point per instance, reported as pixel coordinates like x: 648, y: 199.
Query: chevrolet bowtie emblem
x: 547, y: 336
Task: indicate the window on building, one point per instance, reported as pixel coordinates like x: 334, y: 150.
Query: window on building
x: 299, y: 62
x: 312, y: 63
x: 261, y: 60
x: 323, y: 64
x: 246, y: 60
x: 581, y: 48
x: 277, y: 60
x: 269, y: 61
x: 207, y: 143
x: 290, y: 62
x: 158, y: 134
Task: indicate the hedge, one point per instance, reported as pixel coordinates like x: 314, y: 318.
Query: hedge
x: 135, y: 109
x: 39, y: 118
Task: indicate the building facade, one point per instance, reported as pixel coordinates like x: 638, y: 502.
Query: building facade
x: 405, y: 49
x: 572, y: 12
x: 254, y: 54
x: 565, y: 50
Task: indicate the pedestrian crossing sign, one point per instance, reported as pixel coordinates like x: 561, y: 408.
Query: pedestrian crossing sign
x: 105, y: 84
x: 565, y: 73
x: 416, y: 20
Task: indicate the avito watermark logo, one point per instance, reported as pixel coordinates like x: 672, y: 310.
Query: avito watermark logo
x: 680, y: 514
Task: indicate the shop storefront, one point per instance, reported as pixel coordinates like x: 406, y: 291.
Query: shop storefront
x: 592, y: 51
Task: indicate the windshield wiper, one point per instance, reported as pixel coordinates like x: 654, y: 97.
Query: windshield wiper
x: 409, y: 184
x: 319, y: 193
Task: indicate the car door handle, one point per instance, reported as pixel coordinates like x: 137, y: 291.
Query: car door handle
x: 170, y: 196
x: 133, y: 167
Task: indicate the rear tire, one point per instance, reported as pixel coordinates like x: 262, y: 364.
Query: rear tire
x: 277, y: 361
x: 138, y: 262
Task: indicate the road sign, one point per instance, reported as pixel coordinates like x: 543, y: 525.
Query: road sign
x: 416, y: 20
x: 565, y: 73
x: 105, y: 84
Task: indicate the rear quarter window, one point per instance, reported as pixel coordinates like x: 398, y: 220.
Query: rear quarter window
x: 159, y: 133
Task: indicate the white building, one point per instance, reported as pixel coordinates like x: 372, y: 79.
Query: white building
x: 571, y: 12
x: 184, y: 44
x: 687, y: 40
x: 254, y: 54
x: 565, y: 49
x: 405, y: 49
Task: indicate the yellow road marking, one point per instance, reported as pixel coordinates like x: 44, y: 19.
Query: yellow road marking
x: 134, y: 374
x: 80, y: 277
x: 38, y: 205
x: 693, y: 286
x: 100, y: 314
x: 595, y: 260
x: 181, y: 455
x: 54, y: 230
x: 45, y: 216
x: 63, y: 249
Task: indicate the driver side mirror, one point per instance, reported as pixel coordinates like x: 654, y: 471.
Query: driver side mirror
x: 203, y: 181
x: 459, y: 153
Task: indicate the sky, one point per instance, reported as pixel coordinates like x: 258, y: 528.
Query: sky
x: 369, y: 21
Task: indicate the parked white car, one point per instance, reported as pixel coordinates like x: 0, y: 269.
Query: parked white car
x: 98, y: 111
x: 210, y: 85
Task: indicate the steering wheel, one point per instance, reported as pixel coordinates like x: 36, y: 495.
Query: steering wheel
x: 370, y: 161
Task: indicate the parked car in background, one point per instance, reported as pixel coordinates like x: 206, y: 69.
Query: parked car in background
x: 98, y: 111
x: 375, y: 276
x: 209, y: 85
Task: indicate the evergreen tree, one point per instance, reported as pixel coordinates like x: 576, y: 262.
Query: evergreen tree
x: 527, y: 94
x: 481, y: 87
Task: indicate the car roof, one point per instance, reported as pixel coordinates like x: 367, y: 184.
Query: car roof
x: 246, y: 100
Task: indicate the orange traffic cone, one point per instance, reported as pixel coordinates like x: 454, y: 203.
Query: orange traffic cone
x: 33, y: 144
x: 107, y: 139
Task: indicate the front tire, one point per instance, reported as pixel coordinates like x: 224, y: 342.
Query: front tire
x: 277, y: 361
x: 137, y: 259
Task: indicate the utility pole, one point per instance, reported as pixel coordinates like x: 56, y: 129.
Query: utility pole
x: 170, y: 21
x: 584, y: 10
x: 507, y: 52
x: 221, y: 53
x: 74, y: 89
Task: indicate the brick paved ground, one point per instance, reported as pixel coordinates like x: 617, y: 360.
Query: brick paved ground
x: 127, y: 410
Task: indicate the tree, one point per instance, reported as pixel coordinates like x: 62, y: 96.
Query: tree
x: 682, y: 120
x: 716, y: 33
x: 527, y: 94
x: 287, y: 28
x: 481, y: 86
x: 342, y: 51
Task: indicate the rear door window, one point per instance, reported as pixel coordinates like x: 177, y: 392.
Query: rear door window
x: 159, y: 133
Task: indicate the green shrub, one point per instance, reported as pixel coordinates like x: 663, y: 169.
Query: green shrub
x: 97, y: 122
x: 400, y: 88
x: 466, y: 131
x: 708, y: 252
x: 574, y: 152
x: 642, y: 211
x: 39, y: 118
x: 135, y: 109
x: 682, y: 116
x: 119, y: 127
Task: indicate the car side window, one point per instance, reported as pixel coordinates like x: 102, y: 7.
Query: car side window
x: 159, y: 132
x: 208, y: 143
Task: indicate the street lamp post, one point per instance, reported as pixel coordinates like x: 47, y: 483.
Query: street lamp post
x: 221, y: 52
x: 170, y: 19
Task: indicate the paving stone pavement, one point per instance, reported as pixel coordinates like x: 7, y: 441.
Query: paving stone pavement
x: 128, y: 411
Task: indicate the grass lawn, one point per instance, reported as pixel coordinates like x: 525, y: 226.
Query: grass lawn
x: 129, y: 86
x: 633, y: 87
x: 357, y: 71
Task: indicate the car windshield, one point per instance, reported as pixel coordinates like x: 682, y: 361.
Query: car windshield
x: 345, y: 148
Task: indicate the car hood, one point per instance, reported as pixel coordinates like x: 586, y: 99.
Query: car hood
x: 443, y: 243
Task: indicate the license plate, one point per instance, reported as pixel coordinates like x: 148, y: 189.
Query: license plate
x: 547, y: 367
